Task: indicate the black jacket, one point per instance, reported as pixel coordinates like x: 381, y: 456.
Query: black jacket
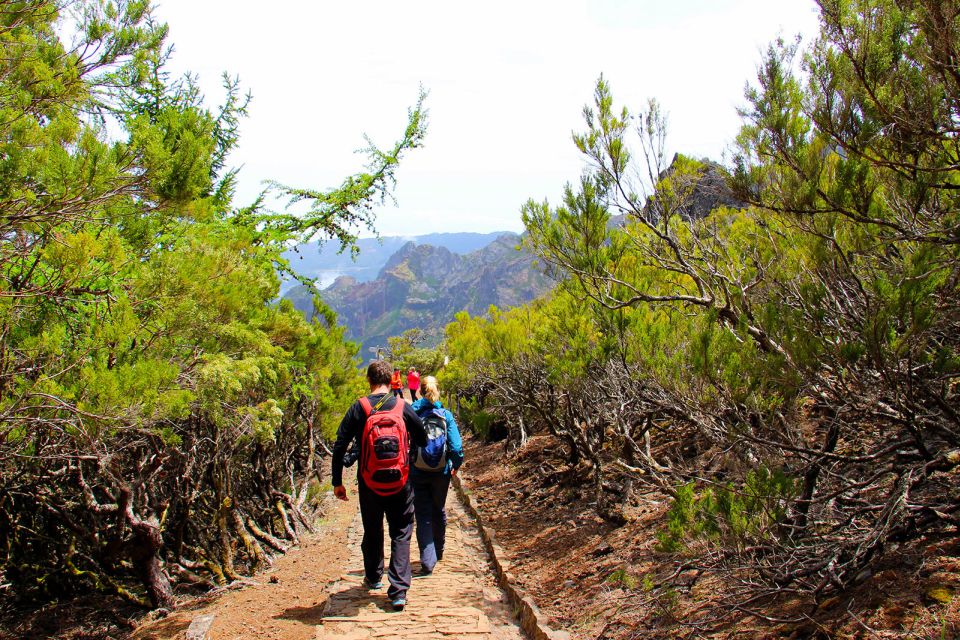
x: 351, y: 427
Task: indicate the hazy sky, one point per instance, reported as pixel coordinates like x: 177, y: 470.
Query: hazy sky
x: 507, y: 80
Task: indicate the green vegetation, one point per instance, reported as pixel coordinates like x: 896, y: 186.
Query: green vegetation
x: 156, y: 410
x: 728, y: 514
x: 405, y: 351
x: 621, y: 578
x: 775, y: 347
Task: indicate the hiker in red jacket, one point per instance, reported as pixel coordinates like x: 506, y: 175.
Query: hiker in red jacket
x: 382, y: 426
x: 396, y: 383
x: 413, y: 383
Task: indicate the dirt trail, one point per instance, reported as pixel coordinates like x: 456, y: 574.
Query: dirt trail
x: 460, y: 600
x: 316, y: 592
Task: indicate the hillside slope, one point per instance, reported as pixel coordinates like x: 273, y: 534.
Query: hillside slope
x: 596, y: 578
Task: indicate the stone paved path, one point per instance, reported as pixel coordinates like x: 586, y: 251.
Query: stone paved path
x: 460, y: 601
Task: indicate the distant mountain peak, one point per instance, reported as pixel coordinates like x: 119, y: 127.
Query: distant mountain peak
x: 422, y: 285
x: 508, y: 238
x: 325, y: 263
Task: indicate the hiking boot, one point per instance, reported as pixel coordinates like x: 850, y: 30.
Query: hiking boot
x: 399, y: 603
x: 423, y: 573
x: 373, y: 586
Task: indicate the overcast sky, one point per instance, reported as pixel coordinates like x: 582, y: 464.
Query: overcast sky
x: 507, y: 79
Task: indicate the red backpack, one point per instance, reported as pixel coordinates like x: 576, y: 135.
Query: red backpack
x: 385, y: 465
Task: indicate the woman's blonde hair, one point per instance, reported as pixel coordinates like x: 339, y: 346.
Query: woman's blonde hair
x: 430, y: 389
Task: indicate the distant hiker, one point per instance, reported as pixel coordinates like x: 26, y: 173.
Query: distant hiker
x: 396, y: 383
x: 430, y: 473
x: 383, y: 426
x: 413, y: 383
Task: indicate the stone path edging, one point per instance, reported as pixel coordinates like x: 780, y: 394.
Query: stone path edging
x: 531, y: 619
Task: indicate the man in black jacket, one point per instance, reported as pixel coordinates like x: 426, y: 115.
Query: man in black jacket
x: 397, y: 507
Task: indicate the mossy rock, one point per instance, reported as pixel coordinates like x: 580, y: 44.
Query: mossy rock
x: 940, y: 594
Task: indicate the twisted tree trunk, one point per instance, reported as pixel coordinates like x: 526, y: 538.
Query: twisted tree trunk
x: 145, y: 546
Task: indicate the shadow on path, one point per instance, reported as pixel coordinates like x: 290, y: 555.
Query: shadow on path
x: 346, y: 603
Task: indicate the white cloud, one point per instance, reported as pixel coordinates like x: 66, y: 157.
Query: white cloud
x: 507, y: 82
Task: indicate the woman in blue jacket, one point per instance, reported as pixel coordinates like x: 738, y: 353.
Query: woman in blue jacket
x: 431, y: 477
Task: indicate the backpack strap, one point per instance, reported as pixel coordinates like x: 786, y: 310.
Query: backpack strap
x: 365, y: 403
x: 398, y: 407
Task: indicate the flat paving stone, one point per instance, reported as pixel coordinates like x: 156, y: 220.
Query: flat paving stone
x: 460, y: 600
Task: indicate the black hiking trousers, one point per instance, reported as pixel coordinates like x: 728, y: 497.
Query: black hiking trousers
x: 398, y: 509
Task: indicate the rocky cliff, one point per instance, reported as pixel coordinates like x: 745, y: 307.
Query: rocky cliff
x: 707, y: 189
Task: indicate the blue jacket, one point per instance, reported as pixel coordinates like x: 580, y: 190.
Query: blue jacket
x: 454, y: 442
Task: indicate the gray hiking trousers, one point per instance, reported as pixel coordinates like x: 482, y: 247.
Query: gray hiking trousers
x: 430, y: 499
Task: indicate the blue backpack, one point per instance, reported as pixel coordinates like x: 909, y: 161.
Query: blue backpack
x: 433, y: 456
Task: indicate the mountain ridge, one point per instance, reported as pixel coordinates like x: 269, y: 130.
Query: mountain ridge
x: 424, y: 286
x: 325, y: 262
